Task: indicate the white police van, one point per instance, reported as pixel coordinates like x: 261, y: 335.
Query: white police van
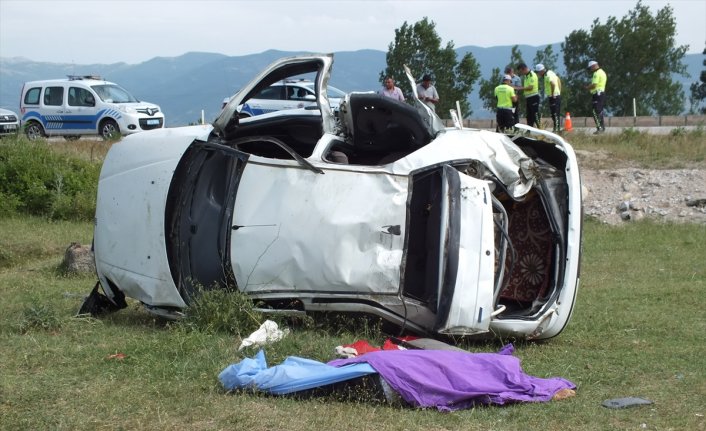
x: 84, y: 105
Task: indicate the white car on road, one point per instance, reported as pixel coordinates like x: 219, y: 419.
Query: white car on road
x: 9, y: 122
x: 289, y: 94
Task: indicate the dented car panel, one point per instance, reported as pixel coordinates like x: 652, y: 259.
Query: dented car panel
x: 374, y: 208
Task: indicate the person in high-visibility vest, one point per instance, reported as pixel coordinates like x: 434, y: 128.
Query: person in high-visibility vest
x: 552, y: 92
x: 530, y: 88
x: 597, y: 88
x: 506, y: 96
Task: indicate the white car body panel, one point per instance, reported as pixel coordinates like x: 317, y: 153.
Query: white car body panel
x: 129, y: 239
x: 472, y: 301
x: 347, y: 250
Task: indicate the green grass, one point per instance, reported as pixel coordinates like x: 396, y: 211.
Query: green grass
x: 638, y: 330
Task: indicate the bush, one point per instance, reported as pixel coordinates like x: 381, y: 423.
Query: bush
x: 39, y: 317
x: 36, y: 180
x: 222, y: 310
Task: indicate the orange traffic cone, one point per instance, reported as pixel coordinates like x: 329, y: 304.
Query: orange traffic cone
x: 567, y: 123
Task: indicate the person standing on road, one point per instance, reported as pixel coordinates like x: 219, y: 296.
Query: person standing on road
x: 597, y: 88
x: 427, y: 92
x: 516, y: 84
x: 530, y: 88
x: 505, y: 95
x: 552, y: 92
x: 391, y: 91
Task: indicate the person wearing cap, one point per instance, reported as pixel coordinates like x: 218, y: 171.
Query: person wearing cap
x: 552, y: 92
x: 427, y: 92
x: 506, y: 96
x: 530, y: 88
x: 516, y: 83
x: 597, y: 89
x: 390, y: 90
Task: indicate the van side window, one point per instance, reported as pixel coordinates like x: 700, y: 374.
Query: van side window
x: 81, y: 97
x: 54, y: 96
x: 32, y: 96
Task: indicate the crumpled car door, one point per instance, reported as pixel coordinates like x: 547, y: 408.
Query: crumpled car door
x: 298, y: 231
x: 466, y: 279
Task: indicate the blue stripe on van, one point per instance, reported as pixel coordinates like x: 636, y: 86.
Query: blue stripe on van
x: 70, y: 121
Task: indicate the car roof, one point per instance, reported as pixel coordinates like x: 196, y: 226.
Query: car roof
x: 88, y: 81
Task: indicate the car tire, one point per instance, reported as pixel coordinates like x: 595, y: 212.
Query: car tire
x: 109, y: 129
x: 34, y: 131
x: 72, y: 137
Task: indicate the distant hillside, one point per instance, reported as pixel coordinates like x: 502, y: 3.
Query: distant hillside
x: 185, y: 85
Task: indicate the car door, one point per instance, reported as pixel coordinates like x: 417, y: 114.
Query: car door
x: 276, y: 72
x: 55, y: 119
x: 297, y: 230
x: 80, y: 112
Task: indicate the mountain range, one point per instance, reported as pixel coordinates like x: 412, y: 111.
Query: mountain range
x: 185, y: 85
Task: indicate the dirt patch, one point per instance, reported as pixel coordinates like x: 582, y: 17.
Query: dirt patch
x: 622, y: 195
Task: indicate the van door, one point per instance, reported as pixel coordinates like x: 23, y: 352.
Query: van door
x: 53, y: 110
x: 80, y: 113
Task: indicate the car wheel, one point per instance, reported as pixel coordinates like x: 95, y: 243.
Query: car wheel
x: 72, y: 137
x: 34, y: 131
x: 109, y: 130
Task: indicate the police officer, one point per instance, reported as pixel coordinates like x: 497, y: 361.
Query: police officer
x: 516, y: 83
x: 530, y: 86
x: 506, y: 96
x: 597, y: 88
x: 552, y: 92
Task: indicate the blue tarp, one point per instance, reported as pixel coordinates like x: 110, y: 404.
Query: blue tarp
x: 293, y: 375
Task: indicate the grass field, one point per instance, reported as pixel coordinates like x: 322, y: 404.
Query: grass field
x: 637, y: 330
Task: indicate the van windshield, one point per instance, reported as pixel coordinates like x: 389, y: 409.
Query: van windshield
x: 111, y: 93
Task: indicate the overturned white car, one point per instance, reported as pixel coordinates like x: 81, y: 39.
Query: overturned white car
x: 376, y: 208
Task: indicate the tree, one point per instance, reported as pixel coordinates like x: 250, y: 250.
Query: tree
x: 698, y: 92
x: 639, y: 55
x: 419, y: 47
x: 487, y: 87
x: 547, y: 57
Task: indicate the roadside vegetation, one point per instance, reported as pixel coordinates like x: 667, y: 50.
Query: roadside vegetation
x: 678, y: 150
x: 637, y: 329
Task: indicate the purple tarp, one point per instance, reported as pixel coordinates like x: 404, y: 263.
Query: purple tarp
x: 451, y: 380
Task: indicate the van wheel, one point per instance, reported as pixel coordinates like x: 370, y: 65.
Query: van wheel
x: 34, y: 131
x: 109, y: 130
x: 72, y: 137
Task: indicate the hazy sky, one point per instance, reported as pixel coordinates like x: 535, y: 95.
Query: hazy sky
x: 133, y: 31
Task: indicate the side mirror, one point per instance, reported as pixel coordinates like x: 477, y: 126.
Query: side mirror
x: 310, y: 97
